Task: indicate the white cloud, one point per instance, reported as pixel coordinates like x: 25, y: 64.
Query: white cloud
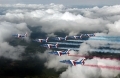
x: 52, y: 18
x: 66, y: 2
x: 61, y: 18
x: 53, y: 60
x: 92, y: 72
x: 6, y: 31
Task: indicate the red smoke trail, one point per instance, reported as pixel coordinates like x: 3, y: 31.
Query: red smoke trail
x: 101, y: 66
x: 95, y: 57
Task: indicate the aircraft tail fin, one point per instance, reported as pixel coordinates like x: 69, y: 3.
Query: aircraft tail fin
x: 19, y: 35
x: 93, y: 34
x: 47, y: 39
x: 88, y: 35
x: 56, y: 45
x: 81, y: 61
x: 26, y: 34
x: 81, y: 36
x: 68, y: 52
x: 66, y: 37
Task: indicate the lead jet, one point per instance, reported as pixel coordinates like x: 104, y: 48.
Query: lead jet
x: 50, y: 45
x: 74, y: 62
x: 59, y: 53
x: 90, y: 35
x: 74, y: 37
x: 41, y: 40
x: 61, y: 38
x: 20, y: 35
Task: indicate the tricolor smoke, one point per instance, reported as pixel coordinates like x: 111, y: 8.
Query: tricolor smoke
x: 93, y: 50
x: 72, y: 21
x: 95, y: 57
x: 105, y: 44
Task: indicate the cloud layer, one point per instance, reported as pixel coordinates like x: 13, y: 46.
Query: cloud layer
x: 61, y: 18
x: 65, y: 2
x: 51, y: 18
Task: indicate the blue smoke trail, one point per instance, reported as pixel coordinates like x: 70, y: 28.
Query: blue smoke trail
x: 108, y: 40
x: 111, y: 40
x: 77, y: 40
x: 78, y: 44
x: 92, y: 50
x: 66, y: 43
x: 108, y: 36
x: 105, y: 50
x: 72, y: 48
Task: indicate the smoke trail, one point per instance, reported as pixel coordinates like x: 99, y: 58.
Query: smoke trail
x: 93, y: 72
x: 72, y: 48
x: 107, y: 39
x: 95, y: 57
x: 105, y: 50
x: 93, y: 50
x: 77, y: 40
x: 101, y: 38
x: 66, y: 43
x: 101, y: 66
x: 75, y: 44
x: 78, y: 44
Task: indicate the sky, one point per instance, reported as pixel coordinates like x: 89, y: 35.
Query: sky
x: 64, y: 2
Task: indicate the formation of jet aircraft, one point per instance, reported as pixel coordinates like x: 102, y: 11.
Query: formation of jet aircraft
x: 59, y: 53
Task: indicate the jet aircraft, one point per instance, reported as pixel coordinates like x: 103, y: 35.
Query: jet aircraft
x: 50, y: 45
x: 74, y: 62
x: 74, y: 37
x: 90, y: 35
x: 41, y: 40
x: 59, y: 53
x: 20, y: 35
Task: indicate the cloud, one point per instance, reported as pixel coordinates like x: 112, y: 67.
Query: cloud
x: 79, y: 70
x: 53, y: 60
x: 51, y: 18
x: 11, y: 52
x: 61, y: 18
x: 6, y: 31
x: 65, y: 2
x: 92, y: 72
